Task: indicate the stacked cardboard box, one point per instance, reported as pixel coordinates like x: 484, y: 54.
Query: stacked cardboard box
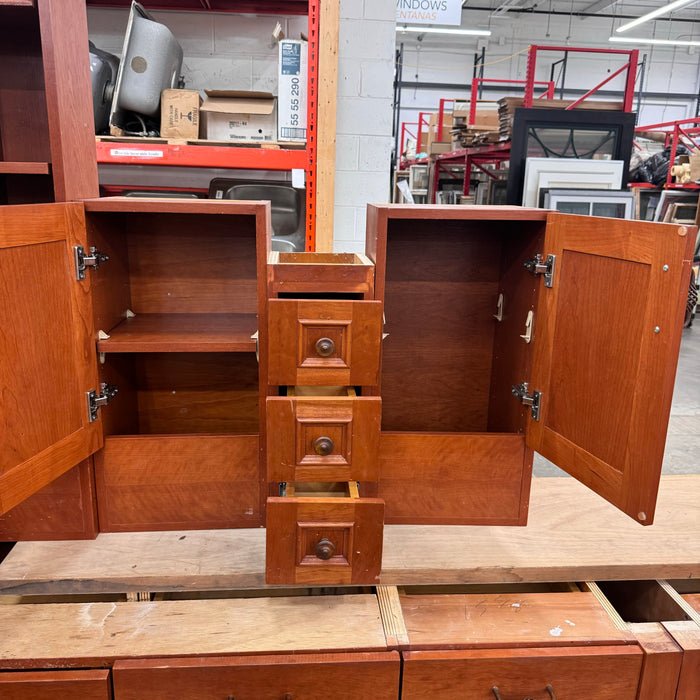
x: 483, y: 131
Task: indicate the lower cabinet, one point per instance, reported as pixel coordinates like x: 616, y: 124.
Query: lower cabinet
x: 624, y: 640
x: 313, y: 677
x: 55, y: 685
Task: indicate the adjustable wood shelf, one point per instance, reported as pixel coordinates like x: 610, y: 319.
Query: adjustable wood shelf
x: 182, y: 333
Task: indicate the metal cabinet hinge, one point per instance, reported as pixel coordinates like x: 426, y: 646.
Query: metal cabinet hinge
x: 83, y: 261
x: 540, y: 266
x: 95, y: 401
x: 533, y: 400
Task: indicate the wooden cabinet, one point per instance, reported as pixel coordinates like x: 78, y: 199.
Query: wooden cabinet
x: 47, y: 147
x: 512, y: 330
x: 323, y: 344
x: 163, y: 308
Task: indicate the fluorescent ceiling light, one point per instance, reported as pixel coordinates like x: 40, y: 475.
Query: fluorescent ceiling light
x: 666, y: 9
x: 444, y: 30
x: 660, y: 42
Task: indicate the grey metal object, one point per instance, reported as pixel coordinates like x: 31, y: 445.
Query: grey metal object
x: 103, y: 76
x: 95, y: 401
x: 151, y: 62
x: 540, y: 266
x: 82, y: 261
x: 533, y: 400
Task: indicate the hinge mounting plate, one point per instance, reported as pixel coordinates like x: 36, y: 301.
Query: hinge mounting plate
x: 533, y: 400
x: 541, y: 266
x: 83, y: 261
x: 95, y: 401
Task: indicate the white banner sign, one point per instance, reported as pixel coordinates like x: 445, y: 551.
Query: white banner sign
x: 429, y: 12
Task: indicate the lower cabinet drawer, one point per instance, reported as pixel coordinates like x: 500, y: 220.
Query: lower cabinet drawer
x: 571, y: 673
x: 324, y: 540
x: 314, y: 677
x: 55, y: 685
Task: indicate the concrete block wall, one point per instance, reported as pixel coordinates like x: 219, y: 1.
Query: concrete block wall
x: 222, y: 51
x: 364, y: 118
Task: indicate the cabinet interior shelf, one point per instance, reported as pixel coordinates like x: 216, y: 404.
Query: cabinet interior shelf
x: 24, y: 168
x: 182, y: 333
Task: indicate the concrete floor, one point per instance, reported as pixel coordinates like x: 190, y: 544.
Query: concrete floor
x: 682, y: 455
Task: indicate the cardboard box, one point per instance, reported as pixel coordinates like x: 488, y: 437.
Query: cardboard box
x: 291, y: 91
x: 440, y: 147
x: 234, y: 115
x: 444, y: 136
x: 179, y: 114
x: 486, y: 119
x: 694, y: 161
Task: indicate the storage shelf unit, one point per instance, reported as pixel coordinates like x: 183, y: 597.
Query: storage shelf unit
x: 233, y: 157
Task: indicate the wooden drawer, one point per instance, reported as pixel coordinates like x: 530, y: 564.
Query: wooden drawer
x: 55, y: 685
x: 312, y: 677
x: 323, y: 438
x: 573, y: 673
x: 324, y: 342
x: 328, y: 539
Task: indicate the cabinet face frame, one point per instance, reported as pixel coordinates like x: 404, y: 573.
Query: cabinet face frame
x: 629, y: 483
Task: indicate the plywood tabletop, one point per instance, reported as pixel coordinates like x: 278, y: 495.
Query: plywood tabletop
x: 97, y: 633
x: 572, y: 535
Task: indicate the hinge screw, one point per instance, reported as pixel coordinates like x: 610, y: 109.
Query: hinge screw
x: 665, y: 268
x: 657, y: 330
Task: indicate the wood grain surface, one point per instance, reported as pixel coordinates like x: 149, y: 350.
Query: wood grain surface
x: 56, y: 685
x: 24, y: 168
x: 572, y: 535
x: 183, y: 333
x: 596, y: 420
x: 454, y: 479
x: 65, y: 509
x: 308, y: 676
x: 687, y: 636
x: 662, y: 661
x: 577, y: 673
x: 95, y: 633
x: 178, y: 482
x: 47, y: 349
x: 461, y: 621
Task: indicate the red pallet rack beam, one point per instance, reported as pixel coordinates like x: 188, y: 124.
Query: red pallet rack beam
x: 630, y: 66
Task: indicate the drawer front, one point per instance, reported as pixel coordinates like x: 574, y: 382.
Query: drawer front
x: 55, y: 685
x: 573, y: 673
x: 316, y: 677
x: 328, y: 541
x: 323, y: 439
x: 324, y: 342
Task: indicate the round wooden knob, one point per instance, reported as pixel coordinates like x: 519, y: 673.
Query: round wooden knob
x: 324, y: 549
x: 323, y: 446
x: 325, y: 347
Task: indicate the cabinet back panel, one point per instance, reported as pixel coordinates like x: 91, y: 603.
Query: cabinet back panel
x: 23, y: 114
x: 440, y: 296
x: 183, y: 263
x: 197, y: 392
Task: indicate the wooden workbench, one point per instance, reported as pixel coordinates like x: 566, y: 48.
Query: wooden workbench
x: 598, y: 543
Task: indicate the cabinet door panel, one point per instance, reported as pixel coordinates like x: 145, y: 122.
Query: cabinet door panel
x: 607, y: 339
x: 47, y: 347
x: 312, y: 677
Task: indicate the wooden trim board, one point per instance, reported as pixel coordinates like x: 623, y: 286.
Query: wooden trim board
x: 572, y: 535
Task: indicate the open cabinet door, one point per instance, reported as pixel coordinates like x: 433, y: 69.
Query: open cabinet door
x: 607, y: 336
x: 47, y: 350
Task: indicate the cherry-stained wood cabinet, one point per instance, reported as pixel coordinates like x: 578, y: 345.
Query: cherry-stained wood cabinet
x: 515, y: 330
